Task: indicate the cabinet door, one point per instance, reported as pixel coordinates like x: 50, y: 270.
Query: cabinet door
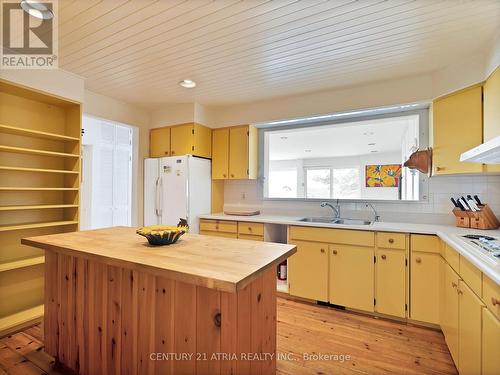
x: 159, y: 142
x: 490, y: 344
x: 424, y: 287
x: 238, y: 152
x: 220, y: 154
x: 308, y: 271
x: 491, y: 107
x: 457, y: 127
x: 181, y: 139
x: 351, y: 276
x: 470, y: 315
x: 202, y: 141
x: 449, y: 323
x: 390, y: 284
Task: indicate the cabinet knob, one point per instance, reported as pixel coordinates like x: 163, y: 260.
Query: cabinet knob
x: 322, y: 250
x: 224, y: 175
x: 166, y: 152
x: 439, y: 168
x: 232, y: 175
x: 391, y: 240
x: 216, y: 227
x: 173, y: 152
x: 495, y: 301
x: 454, y: 285
x: 418, y: 260
x: 383, y: 257
x: 249, y: 229
x: 459, y: 291
x: 334, y: 252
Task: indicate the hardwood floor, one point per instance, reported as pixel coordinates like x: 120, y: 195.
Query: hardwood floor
x: 374, y: 346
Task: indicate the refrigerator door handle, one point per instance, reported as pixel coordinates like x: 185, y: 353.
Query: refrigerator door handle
x: 159, y: 195
x: 156, y: 195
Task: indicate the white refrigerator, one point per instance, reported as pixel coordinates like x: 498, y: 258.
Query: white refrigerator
x: 176, y: 187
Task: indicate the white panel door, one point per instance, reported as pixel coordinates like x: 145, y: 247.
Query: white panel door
x: 173, y: 175
x: 122, y: 174
x: 151, y: 189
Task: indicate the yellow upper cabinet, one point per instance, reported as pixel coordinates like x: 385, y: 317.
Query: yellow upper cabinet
x: 220, y: 154
x: 235, y: 153
x: 492, y: 106
x: 457, y: 127
x: 159, y: 142
x: 183, y: 139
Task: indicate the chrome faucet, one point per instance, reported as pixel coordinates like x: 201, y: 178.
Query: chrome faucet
x: 335, y: 209
x: 377, y: 217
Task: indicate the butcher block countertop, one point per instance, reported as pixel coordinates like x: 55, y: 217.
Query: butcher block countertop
x: 213, y: 262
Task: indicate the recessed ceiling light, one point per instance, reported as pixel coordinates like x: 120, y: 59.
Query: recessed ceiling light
x: 36, y: 9
x: 283, y: 137
x: 187, y: 83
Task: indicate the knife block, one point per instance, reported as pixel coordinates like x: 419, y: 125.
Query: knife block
x: 462, y: 218
x: 484, y: 219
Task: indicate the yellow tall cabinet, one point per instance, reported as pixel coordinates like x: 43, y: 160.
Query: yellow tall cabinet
x: 491, y: 106
x: 457, y: 126
x: 39, y: 192
x: 235, y: 153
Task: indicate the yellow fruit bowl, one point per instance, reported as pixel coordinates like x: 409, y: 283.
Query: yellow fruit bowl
x: 158, y: 235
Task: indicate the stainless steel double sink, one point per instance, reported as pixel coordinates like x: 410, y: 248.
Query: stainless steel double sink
x: 329, y: 220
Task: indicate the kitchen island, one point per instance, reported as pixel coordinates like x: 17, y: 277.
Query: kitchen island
x: 116, y: 305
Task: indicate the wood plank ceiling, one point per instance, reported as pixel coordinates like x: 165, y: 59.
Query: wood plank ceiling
x: 238, y: 51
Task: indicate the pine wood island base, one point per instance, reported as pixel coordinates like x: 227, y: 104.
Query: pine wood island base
x: 202, y: 306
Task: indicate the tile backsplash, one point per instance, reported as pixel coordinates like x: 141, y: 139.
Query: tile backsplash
x: 435, y: 210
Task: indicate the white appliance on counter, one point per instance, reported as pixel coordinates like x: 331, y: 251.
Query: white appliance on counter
x: 176, y: 187
x: 487, y: 153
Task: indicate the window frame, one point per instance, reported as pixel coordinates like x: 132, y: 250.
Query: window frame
x: 425, y: 136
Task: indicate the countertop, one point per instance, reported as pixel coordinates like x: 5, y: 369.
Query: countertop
x: 218, y: 263
x: 451, y: 235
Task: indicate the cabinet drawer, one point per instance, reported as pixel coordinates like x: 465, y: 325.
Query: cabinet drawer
x: 338, y: 236
x: 256, y: 229
x: 218, y: 234
x: 425, y: 243
x: 250, y: 237
x: 491, y: 296
x: 219, y: 226
x: 471, y: 275
x: 452, y: 257
x: 391, y: 240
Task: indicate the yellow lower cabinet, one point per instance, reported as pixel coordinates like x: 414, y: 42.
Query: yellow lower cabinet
x: 469, y: 331
x: 424, y: 286
x: 449, y: 315
x: 219, y: 234
x: 352, y: 276
x: 308, y: 271
x: 490, y: 344
x: 390, y: 282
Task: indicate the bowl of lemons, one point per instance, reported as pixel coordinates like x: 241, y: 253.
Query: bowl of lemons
x: 159, y: 235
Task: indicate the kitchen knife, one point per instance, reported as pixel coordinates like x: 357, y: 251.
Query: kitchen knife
x: 472, y: 204
x: 454, y: 202
x: 464, y: 203
x: 477, y: 200
x: 460, y: 205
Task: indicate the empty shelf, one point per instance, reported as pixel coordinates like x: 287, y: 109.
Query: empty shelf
x: 20, y: 319
x: 36, y: 207
x: 21, y: 263
x: 19, y: 188
x: 5, y: 228
x: 36, y: 133
x: 22, y: 169
x: 32, y: 151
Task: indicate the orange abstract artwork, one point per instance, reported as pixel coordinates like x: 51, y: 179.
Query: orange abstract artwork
x: 383, y: 175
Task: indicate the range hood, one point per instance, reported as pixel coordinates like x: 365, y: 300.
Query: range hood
x: 487, y: 153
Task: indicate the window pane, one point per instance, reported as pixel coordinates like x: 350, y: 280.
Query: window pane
x: 346, y: 183
x: 318, y: 183
x: 283, y: 184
